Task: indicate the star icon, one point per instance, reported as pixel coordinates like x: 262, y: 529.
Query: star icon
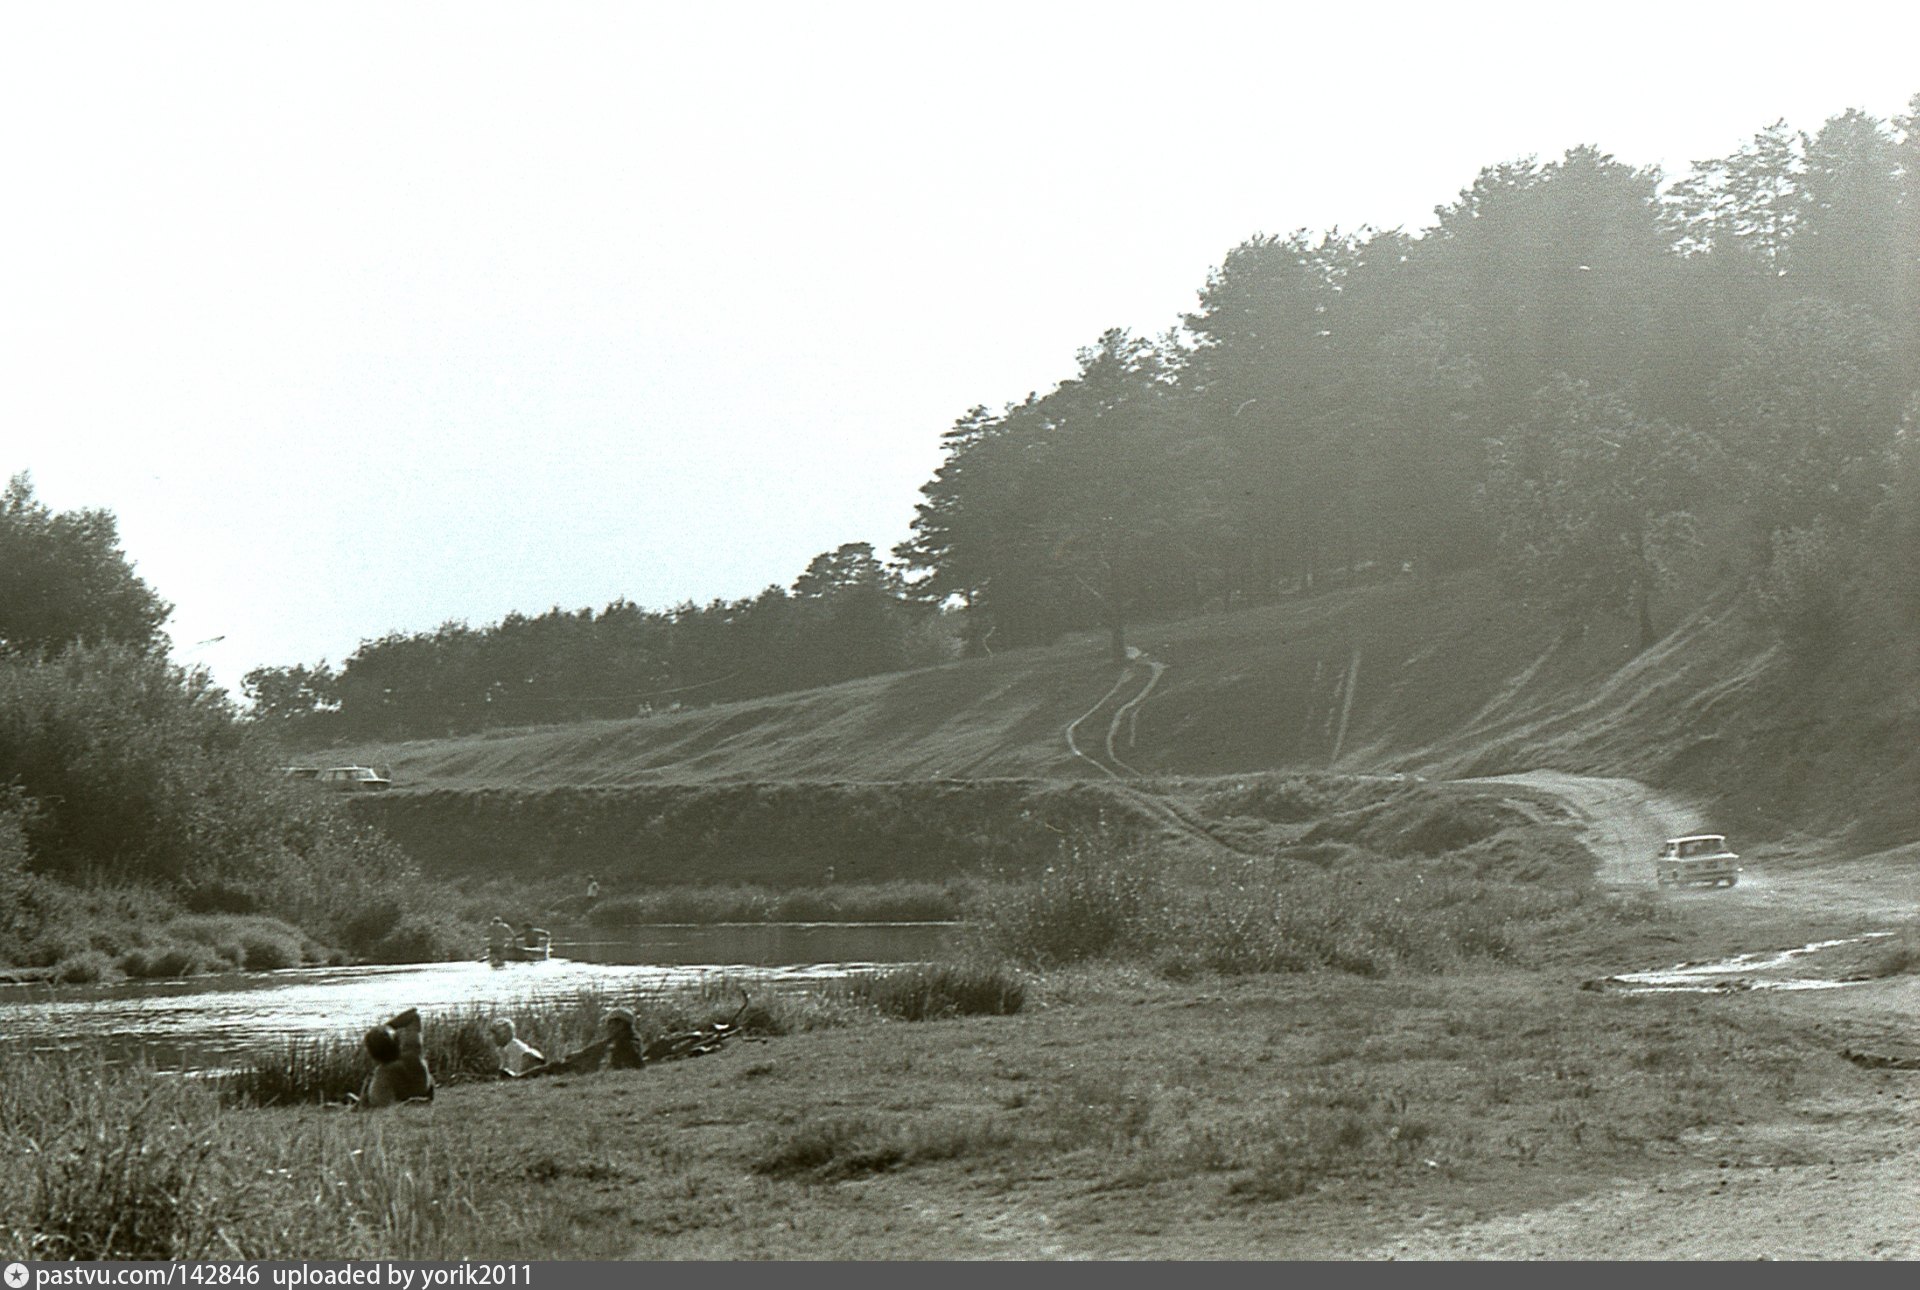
x: 16, y: 1275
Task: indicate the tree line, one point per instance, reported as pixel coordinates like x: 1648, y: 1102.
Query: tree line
x: 1557, y: 379
x: 847, y: 615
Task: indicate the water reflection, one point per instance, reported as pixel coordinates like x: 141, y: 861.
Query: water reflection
x: 199, y: 1021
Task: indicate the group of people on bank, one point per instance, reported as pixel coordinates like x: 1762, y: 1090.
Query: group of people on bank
x: 400, y: 1072
x: 618, y: 1048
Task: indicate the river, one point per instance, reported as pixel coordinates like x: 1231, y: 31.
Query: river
x: 201, y: 1022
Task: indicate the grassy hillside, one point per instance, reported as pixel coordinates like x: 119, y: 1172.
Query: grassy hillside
x: 1439, y: 679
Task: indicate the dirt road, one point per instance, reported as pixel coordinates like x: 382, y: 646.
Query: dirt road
x: 1862, y: 1201
x: 1621, y: 820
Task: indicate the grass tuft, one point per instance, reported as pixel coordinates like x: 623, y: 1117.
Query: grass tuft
x: 924, y: 991
x: 837, y: 1148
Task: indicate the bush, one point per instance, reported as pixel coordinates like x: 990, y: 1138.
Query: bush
x: 117, y: 762
x: 1085, y: 906
x: 424, y: 938
x: 1365, y: 914
x: 83, y: 968
x: 1802, y: 593
x: 927, y: 990
x: 173, y: 960
x: 264, y: 951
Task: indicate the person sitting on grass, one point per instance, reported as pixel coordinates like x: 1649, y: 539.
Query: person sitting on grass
x: 517, y: 1056
x: 618, y: 1049
x: 400, y: 1071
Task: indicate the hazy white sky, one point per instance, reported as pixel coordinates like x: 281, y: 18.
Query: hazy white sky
x: 362, y: 317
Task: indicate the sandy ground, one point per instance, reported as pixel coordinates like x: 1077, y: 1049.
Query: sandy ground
x: 1863, y: 1201
x: 1855, y: 1208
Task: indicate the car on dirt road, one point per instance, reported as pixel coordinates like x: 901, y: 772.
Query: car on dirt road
x: 1699, y: 859
x: 354, y: 779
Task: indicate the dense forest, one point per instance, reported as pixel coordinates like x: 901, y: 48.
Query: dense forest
x: 1566, y: 375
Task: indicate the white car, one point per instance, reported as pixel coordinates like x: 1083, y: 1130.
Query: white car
x: 354, y: 779
x: 1698, y: 858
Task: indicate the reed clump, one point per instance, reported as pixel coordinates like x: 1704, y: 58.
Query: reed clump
x: 926, y: 991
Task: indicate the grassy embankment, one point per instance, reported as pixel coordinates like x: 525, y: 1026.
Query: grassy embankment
x: 1446, y: 678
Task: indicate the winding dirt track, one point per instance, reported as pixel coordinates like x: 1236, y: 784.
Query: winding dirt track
x: 1621, y: 820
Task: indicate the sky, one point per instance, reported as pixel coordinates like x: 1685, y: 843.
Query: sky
x: 362, y: 318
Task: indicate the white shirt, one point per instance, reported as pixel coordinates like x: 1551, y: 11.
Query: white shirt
x: 517, y: 1057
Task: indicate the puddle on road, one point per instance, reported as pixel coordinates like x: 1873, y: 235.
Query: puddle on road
x: 1761, y: 970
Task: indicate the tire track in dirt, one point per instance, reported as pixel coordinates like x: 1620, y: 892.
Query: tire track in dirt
x: 1129, y: 713
x: 1173, y: 817
x: 1073, y: 745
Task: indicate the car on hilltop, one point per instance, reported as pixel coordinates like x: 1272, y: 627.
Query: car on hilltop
x: 354, y: 779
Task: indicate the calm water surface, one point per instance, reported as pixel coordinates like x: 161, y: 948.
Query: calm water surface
x: 199, y: 1021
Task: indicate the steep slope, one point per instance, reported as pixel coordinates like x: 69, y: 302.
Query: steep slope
x: 1445, y: 679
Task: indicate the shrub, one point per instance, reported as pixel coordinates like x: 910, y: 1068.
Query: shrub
x: 424, y: 938
x: 1802, y: 593
x: 171, y: 960
x: 1085, y: 906
x: 1363, y: 914
x: 83, y: 968
x: 927, y: 990
x: 264, y: 951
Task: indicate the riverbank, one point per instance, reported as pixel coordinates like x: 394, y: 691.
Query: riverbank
x: 1334, y: 1052
x: 1117, y: 1116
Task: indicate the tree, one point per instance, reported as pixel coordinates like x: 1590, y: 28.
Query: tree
x: 290, y: 695
x: 64, y: 580
x: 1746, y: 204
x: 1848, y: 246
x: 1424, y: 451
x: 851, y: 614
x: 1807, y: 413
x: 1591, y: 502
x: 1262, y: 377
x: 1548, y: 269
